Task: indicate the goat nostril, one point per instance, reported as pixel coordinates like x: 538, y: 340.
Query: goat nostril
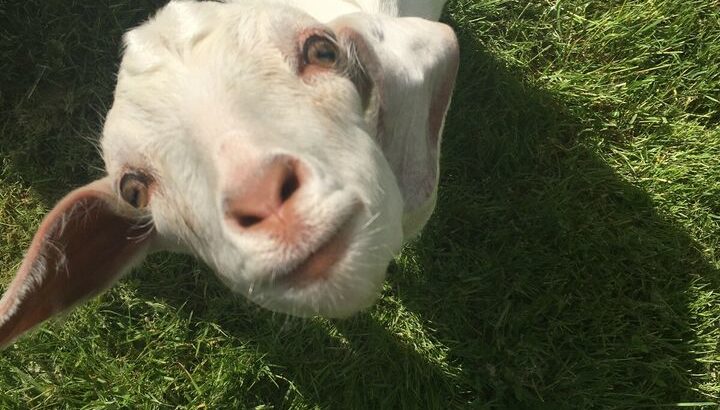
x: 289, y: 186
x: 248, y: 220
x: 264, y: 198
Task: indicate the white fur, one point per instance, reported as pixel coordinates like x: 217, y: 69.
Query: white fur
x: 205, y: 88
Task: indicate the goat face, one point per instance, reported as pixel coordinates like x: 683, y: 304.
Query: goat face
x: 292, y: 152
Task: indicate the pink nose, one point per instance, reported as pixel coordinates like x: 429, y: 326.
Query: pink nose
x: 265, y: 201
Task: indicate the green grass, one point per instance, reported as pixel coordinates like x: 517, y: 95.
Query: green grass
x: 572, y: 261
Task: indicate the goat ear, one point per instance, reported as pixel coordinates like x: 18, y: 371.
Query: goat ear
x: 411, y: 65
x: 82, y: 247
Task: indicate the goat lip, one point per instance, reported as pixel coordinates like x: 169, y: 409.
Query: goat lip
x: 318, y: 265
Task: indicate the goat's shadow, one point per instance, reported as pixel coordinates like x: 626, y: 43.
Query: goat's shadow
x: 535, y: 247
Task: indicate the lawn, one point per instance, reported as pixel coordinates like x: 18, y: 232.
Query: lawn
x: 572, y: 261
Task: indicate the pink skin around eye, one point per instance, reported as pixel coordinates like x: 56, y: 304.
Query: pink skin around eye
x: 308, y: 70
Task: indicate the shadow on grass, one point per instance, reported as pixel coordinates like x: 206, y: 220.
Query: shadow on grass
x: 58, y: 63
x: 546, y: 279
x: 553, y: 281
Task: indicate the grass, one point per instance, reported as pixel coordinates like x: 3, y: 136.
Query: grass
x: 572, y: 261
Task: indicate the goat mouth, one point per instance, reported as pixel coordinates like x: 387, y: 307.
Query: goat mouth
x: 319, y: 264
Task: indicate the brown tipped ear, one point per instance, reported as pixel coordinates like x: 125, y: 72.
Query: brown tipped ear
x: 81, y: 248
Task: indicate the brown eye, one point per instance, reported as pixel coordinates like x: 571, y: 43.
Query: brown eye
x: 320, y: 51
x: 135, y: 189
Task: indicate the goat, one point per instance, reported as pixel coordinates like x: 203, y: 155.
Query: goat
x: 292, y: 145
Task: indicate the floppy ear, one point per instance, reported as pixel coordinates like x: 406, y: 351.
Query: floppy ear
x: 82, y: 247
x: 411, y: 65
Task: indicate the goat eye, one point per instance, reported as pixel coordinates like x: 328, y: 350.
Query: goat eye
x: 320, y: 51
x: 134, y: 189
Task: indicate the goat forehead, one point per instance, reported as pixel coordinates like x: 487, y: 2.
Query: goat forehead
x: 208, y: 88
x: 180, y: 27
x: 244, y: 55
x: 207, y: 98
x: 220, y: 78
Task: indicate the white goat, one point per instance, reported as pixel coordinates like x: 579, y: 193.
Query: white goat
x: 291, y: 145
